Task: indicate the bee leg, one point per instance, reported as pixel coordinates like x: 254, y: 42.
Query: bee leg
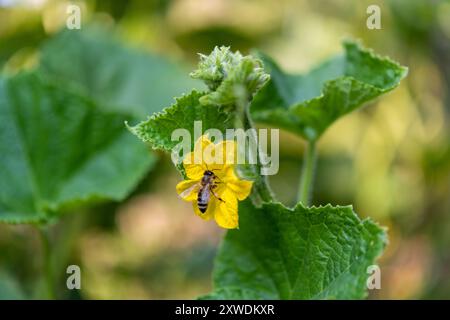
x: 215, y: 194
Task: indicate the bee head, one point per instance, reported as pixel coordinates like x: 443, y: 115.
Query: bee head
x: 208, y: 173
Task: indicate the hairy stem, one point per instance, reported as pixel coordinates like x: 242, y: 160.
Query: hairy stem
x: 307, y: 174
x: 47, y: 263
x: 261, y: 186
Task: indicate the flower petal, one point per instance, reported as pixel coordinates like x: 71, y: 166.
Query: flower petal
x: 225, y: 152
x: 241, y: 188
x: 188, y: 189
x: 226, y: 213
x: 194, y: 161
x: 209, y: 213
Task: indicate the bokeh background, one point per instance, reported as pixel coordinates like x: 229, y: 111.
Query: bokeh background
x: 391, y: 159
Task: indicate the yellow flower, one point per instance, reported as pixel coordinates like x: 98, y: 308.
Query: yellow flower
x: 225, y: 188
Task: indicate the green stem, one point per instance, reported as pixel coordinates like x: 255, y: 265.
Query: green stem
x: 47, y: 263
x: 261, y: 186
x: 307, y: 174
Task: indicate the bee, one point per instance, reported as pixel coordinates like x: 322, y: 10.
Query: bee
x: 204, y: 188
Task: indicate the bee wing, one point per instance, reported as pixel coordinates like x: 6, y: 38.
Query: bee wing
x: 193, y: 188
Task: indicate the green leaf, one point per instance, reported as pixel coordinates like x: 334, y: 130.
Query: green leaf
x: 157, y: 129
x: 300, y: 253
x: 118, y: 77
x: 309, y: 104
x: 60, y: 149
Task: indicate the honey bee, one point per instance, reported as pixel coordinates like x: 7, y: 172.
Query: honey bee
x: 204, y: 188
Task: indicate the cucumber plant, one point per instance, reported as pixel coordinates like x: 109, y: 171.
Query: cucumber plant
x: 304, y: 252
x: 64, y: 145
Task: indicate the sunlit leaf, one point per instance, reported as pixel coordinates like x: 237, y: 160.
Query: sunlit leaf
x: 300, y: 253
x: 309, y: 104
x: 157, y: 129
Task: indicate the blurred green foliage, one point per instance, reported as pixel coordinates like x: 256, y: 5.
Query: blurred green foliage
x: 120, y: 78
